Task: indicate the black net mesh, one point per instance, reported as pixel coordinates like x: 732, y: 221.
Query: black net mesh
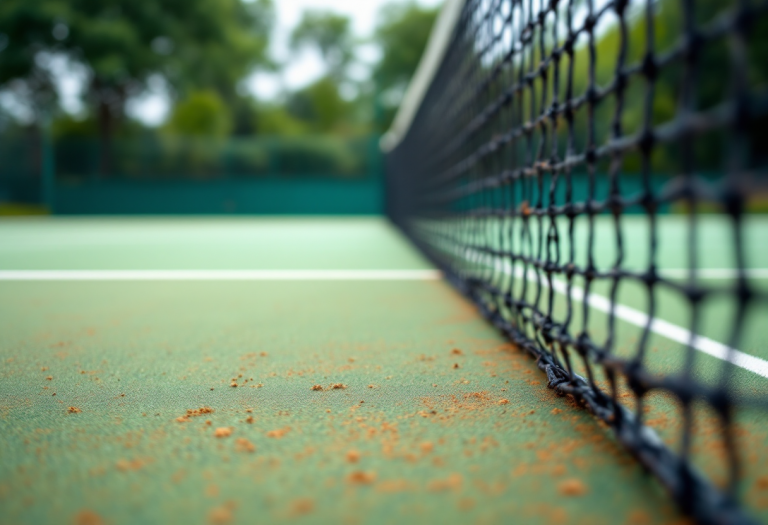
x: 565, y: 156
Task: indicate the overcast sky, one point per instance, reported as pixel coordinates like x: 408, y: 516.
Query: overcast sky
x: 299, y: 69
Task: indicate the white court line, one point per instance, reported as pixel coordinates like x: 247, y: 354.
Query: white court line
x: 220, y: 275
x: 638, y: 318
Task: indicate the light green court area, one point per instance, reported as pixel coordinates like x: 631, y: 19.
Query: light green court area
x: 203, y: 243
x: 435, y: 418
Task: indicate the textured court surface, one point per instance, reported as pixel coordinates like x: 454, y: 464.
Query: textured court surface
x: 412, y: 437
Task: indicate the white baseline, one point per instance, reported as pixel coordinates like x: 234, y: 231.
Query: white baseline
x: 220, y: 275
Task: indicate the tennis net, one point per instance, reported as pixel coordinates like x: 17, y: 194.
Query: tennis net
x: 534, y: 136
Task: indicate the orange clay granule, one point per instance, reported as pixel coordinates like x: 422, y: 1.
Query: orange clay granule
x: 338, y: 386
x: 87, y: 517
x: 220, y: 516
x: 303, y: 506
x: 279, y: 433
x: 222, y: 432
x: 73, y: 410
x: 427, y: 446
x: 249, y: 419
x: 503, y: 401
x: 361, y: 478
x: 316, y: 387
x: 456, y: 351
x: 353, y: 456
x: 455, y: 365
x: 572, y: 487
x: 243, y: 445
x: 194, y: 412
x: 453, y: 482
x: 124, y: 465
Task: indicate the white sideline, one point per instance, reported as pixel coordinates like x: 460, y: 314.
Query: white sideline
x: 631, y: 315
x: 219, y: 275
x: 638, y: 318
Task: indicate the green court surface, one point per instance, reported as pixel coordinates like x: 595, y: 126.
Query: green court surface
x: 435, y: 419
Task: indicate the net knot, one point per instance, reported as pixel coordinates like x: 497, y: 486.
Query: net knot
x: 648, y: 202
x: 615, y: 203
x: 582, y: 345
x: 590, y: 156
x: 591, y: 95
x: 635, y: 383
x: 695, y: 294
x: 555, y: 377
x: 589, y: 23
x: 649, y: 69
x: 647, y: 141
x: 651, y: 276
x: 733, y: 201
x: 621, y: 81
x: 569, y: 44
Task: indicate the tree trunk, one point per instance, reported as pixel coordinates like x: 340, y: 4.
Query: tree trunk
x: 110, y: 101
x: 106, y: 124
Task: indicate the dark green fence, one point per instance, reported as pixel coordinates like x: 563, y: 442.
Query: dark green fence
x: 298, y: 175
x: 328, y: 175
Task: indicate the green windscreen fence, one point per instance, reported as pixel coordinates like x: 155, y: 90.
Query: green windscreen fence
x: 171, y: 174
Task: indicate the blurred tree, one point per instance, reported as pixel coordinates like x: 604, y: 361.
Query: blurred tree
x: 331, y: 35
x: 276, y: 120
x: 402, y: 36
x: 193, y: 44
x: 201, y: 113
x: 320, y: 106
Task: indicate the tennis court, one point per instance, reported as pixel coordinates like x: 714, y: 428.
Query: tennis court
x: 137, y: 323
x: 558, y: 317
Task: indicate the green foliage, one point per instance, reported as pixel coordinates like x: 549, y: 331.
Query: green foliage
x: 193, y: 44
x: 275, y: 120
x: 172, y: 156
x: 330, y: 34
x: 73, y: 127
x: 402, y: 36
x: 202, y: 113
x: 318, y: 156
x: 320, y: 106
x: 70, y: 126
